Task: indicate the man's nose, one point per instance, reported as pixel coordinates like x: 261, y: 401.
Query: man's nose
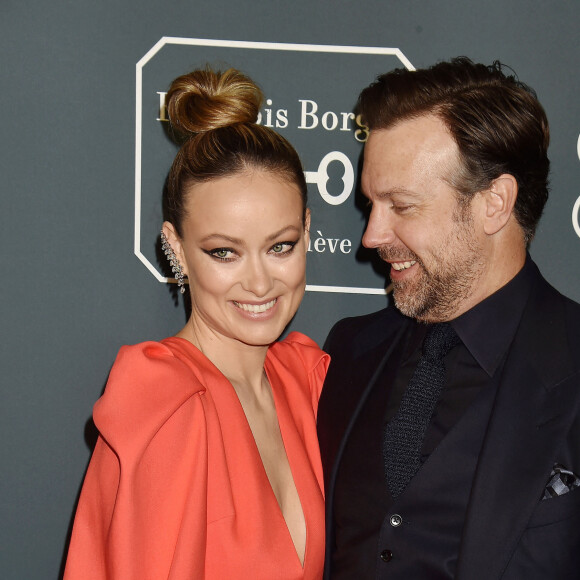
x: 379, y: 230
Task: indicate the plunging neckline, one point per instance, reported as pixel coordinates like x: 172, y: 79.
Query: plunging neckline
x: 281, y: 407
x: 277, y: 407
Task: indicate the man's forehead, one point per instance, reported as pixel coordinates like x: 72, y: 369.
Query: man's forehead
x: 420, y: 147
x: 427, y: 130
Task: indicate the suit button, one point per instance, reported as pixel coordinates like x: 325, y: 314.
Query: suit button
x: 396, y: 520
x: 386, y: 555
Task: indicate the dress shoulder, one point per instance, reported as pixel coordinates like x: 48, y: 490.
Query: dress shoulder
x: 300, y: 345
x: 302, y: 359
x: 150, y: 465
x: 147, y: 384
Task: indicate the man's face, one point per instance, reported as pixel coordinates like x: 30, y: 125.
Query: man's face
x: 435, y: 245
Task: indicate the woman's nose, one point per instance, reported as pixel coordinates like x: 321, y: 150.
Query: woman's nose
x: 257, y: 279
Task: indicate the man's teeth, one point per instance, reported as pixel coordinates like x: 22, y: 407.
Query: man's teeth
x: 403, y: 265
x: 255, y: 308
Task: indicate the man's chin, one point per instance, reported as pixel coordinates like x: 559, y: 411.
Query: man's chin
x: 411, y: 303
x: 405, y: 303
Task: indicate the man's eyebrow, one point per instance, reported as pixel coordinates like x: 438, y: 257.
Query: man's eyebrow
x: 388, y: 193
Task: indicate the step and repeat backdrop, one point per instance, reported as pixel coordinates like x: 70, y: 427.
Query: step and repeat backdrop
x: 85, y: 152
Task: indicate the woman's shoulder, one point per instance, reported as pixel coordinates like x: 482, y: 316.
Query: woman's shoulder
x: 147, y: 384
x: 299, y: 345
x: 300, y: 361
x: 150, y: 364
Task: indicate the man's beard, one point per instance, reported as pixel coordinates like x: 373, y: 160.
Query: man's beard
x: 435, y: 292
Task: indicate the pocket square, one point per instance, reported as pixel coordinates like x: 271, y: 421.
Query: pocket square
x: 561, y: 481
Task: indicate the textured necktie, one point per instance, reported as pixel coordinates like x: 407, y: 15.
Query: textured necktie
x: 404, y: 434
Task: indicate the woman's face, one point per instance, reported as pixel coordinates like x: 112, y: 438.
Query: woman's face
x: 244, y: 251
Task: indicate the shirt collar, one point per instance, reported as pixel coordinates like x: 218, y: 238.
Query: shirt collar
x: 490, y: 326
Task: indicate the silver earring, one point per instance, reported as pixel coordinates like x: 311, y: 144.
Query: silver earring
x: 173, y: 262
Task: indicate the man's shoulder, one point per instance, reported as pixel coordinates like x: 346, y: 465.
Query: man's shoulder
x: 572, y: 309
x: 550, y: 332
x: 548, y: 299
x: 367, y: 322
x: 367, y: 331
x: 571, y: 305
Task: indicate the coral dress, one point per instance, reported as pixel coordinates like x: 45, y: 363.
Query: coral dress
x: 176, y: 488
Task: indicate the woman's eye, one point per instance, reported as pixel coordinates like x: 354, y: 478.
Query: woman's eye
x: 220, y: 253
x: 282, y: 247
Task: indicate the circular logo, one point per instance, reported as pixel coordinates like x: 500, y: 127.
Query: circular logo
x: 575, y: 212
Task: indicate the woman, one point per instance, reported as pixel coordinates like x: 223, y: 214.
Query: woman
x: 207, y: 463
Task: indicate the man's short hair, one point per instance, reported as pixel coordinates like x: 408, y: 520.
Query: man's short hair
x: 496, y: 120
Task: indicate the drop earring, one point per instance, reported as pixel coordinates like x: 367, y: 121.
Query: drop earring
x: 173, y: 262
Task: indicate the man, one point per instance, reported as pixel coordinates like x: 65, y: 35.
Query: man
x: 450, y: 426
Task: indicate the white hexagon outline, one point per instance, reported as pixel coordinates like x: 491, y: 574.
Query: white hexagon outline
x: 234, y: 44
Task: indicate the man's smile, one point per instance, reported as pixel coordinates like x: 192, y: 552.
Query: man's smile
x: 403, y: 265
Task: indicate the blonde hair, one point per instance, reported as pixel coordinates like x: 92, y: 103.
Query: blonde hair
x: 214, y: 114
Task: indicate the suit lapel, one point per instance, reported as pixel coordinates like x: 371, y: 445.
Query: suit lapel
x: 378, y: 369
x: 534, y: 407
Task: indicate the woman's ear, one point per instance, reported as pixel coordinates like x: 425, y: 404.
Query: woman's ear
x: 500, y: 199
x: 175, y: 242
x: 306, y: 228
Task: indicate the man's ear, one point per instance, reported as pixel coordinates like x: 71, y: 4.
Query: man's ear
x: 500, y: 199
x: 175, y: 243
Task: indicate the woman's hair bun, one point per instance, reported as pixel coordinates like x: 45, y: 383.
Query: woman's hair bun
x: 205, y: 99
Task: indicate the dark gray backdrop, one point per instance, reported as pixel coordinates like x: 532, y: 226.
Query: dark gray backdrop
x: 72, y: 289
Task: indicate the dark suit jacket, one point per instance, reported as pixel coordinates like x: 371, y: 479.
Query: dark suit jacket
x: 509, y: 533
